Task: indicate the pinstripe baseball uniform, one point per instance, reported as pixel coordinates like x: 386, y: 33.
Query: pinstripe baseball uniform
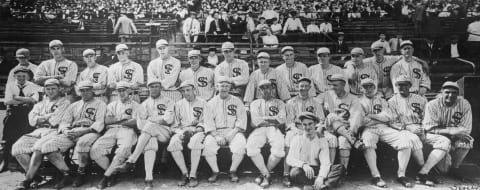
x: 167, y: 71
x: 412, y: 70
x: 275, y: 77
x: 122, y: 137
x: 238, y: 71
x: 51, y: 67
x: 384, y: 69
x: 129, y: 72
x: 320, y: 76
x: 156, y: 109
x: 368, y: 70
x: 260, y: 110
x: 292, y: 75
x: 203, y: 80
x: 223, y: 116
x: 185, y: 113
x: 98, y: 75
x: 379, y: 130
x: 440, y: 116
x: 92, y: 111
x: 11, y: 74
x: 53, y: 111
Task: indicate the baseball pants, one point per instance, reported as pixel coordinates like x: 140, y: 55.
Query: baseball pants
x: 123, y: 137
x: 60, y: 142
x: 158, y: 133
x: 260, y: 136
x: 237, y: 145
x: 396, y: 139
x: 177, y: 141
x: 32, y: 141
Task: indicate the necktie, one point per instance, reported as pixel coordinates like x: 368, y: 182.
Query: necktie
x: 190, y: 27
x: 398, y: 44
x: 21, y: 87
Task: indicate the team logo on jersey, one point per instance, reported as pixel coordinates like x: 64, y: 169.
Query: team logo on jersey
x: 168, y: 68
x: 90, y: 113
x: 197, y: 112
x: 236, y: 71
x: 329, y: 77
x: 128, y: 111
x: 416, y: 108
x: 386, y: 70
x: 377, y: 108
x: 161, y: 109
x: 95, y: 77
x: 274, y: 83
x: 273, y: 111
x: 53, y: 108
x: 62, y: 70
x: 457, y: 116
x: 128, y: 74
x: 310, y: 109
x: 345, y: 107
x: 364, y: 76
x: 202, y: 81
x: 232, y: 110
x: 296, y: 77
x: 416, y: 73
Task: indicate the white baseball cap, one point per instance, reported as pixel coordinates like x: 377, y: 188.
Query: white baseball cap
x: 323, y: 50
x: 194, y: 52
x: 85, y: 84
x: 88, y: 52
x: 54, y: 43
x: 264, y: 55
x: 161, y: 43
x: 228, y: 45
x: 121, y: 47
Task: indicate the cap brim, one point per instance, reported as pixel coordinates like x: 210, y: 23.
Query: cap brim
x: 451, y: 86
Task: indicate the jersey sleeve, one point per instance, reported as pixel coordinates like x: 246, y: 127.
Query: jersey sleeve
x: 139, y: 79
x: 466, y: 121
x: 431, y: 118
x: 255, y: 113
x: 34, y: 114
x: 99, y: 123
x: 250, y: 91
x: 57, y: 115
x: 71, y: 75
x: 243, y: 78
x: 241, y: 121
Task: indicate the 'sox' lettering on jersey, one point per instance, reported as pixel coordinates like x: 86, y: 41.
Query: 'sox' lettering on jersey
x: 377, y: 108
x: 202, y: 81
x: 90, y: 113
x: 128, y: 74
x: 416, y: 73
x: 273, y: 111
x: 310, y: 109
x: 95, y: 77
x: 346, y: 108
x: 53, y: 108
x: 296, y: 77
x: 236, y: 71
x: 62, y: 70
x: 168, y: 68
x: 416, y: 108
x: 197, y: 112
x: 457, y: 116
x: 364, y: 76
x: 161, y: 109
x: 232, y: 110
x: 386, y: 71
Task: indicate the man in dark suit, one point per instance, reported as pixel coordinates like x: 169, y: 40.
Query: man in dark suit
x: 454, y: 49
x: 110, y: 24
x: 237, y: 26
x: 340, y: 46
x: 218, y: 31
x: 337, y: 22
x: 428, y: 49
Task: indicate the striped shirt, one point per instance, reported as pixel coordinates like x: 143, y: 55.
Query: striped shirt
x: 203, y: 79
x: 225, y: 113
x: 320, y: 76
x: 440, y: 116
x: 238, y: 71
x: 68, y: 69
x: 157, y: 109
x: 292, y: 75
x: 414, y: 71
x: 93, y: 110
x: 273, y: 108
x: 356, y: 75
x: 384, y: 69
x: 130, y: 72
x: 348, y: 102
x: 97, y: 74
x: 53, y: 109
x: 274, y: 76
x: 375, y: 106
x: 165, y: 70
x: 186, y: 112
x: 407, y: 110
x: 120, y: 110
x: 297, y: 105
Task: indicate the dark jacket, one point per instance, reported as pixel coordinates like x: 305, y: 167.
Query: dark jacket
x: 237, y: 26
x: 110, y: 25
x: 445, y: 51
x: 222, y: 25
x: 424, y: 51
x: 340, y: 49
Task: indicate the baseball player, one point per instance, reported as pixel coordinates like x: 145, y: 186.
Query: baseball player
x: 265, y: 72
x: 187, y: 129
x: 268, y: 116
x: 236, y: 70
x: 94, y: 72
x: 154, y: 126
x: 321, y: 72
x: 45, y: 117
x: 356, y: 70
x: 408, y: 110
x: 224, y: 125
x: 166, y: 69
x: 22, y: 55
x: 376, y: 123
x: 80, y: 127
x: 344, y: 116
x: 292, y: 71
x: 411, y: 68
x: 203, y: 77
x: 59, y: 68
x: 304, y: 103
x: 309, y: 155
x: 450, y: 116
x: 120, y: 122
x: 124, y: 70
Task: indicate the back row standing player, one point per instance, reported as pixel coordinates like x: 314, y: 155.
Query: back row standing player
x: 236, y: 70
x: 95, y: 73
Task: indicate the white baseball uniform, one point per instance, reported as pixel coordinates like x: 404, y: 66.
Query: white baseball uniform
x: 68, y: 69
x: 203, y: 79
x: 385, y: 66
x: 356, y: 74
x: 130, y: 72
x: 157, y: 109
x: 275, y: 77
x: 320, y: 76
x: 238, y: 71
x: 414, y: 71
x: 292, y: 75
x: 97, y: 75
x: 167, y: 71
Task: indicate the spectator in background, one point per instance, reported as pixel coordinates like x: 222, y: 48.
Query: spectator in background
x: 269, y: 14
x: 125, y: 28
x: 428, y: 49
x: 419, y: 16
x: 293, y: 24
x: 453, y: 49
x: 276, y: 27
x: 237, y: 26
x: 218, y: 29
x: 270, y: 40
x: 326, y: 27
x: 385, y: 43
x: 474, y: 30
x: 110, y: 23
x: 191, y: 28
x: 212, y: 57
x: 312, y: 27
x: 395, y: 42
x: 208, y: 21
x: 340, y: 46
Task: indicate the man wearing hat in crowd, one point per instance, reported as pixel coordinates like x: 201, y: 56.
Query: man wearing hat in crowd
x: 58, y: 68
x: 20, y: 96
x: 377, y: 128
x: 236, y: 70
x: 225, y: 124
x: 202, y: 77
x: 265, y: 72
x: 292, y: 71
x: 383, y: 42
x: 304, y: 103
x: 45, y: 117
x: 268, y: 117
x: 81, y: 125
x: 125, y: 28
x: 154, y: 126
x: 218, y: 30
x: 121, y: 123
x: 450, y: 115
x: 191, y: 28
x: 412, y: 69
x: 22, y: 55
x: 340, y: 46
x: 309, y: 154
x: 356, y: 70
x: 408, y: 112
x: 237, y: 26
x: 320, y: 73
x: 124, y: 70
x: 166, y: 69
x: 344, y: 108
x: 293, y: 24
x: 187, y: 129
x: 95, y: 73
